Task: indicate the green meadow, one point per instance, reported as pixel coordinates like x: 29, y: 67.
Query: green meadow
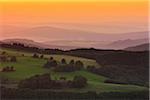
x: 26, y: 66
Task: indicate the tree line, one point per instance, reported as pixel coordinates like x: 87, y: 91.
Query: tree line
x: 46, y: 82
x: 63, y: 66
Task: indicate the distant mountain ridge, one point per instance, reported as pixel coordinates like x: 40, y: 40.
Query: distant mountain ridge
x: 126, y: 43
x: 142, y: 47
x: 67, y: 45
x: 32, y: 43
x: 48, y: 33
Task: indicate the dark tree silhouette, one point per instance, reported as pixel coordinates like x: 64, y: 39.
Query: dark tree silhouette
x: 3, y: 58
x: 72, y: 62
x: 63, y: 61
x: 50, y: 64
x: 12, y: 68
x: 41, y: 56
x: 13, y: 59
x: 91, y: 68
x: 3, y: 53
x: 35, y: 55
x: 45, y: 82
x: 51, y: 58
x: 79, y: 64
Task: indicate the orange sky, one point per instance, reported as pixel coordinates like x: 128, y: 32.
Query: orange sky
x: 101, y: 16
x: 80, y: 12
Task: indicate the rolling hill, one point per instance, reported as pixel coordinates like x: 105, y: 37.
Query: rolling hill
x: 55, y: 33
x: 142, y: 47
x: 73, y: 44
x: 32, y: 43
x: 26, y: 66
x: 120, y: 44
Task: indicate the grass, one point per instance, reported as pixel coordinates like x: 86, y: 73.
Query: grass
x: 27, y: 66
x: 85, y: 61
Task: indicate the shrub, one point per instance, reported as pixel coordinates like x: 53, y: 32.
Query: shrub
x: 91, y: 68
x: 13, y: 59
x: 3, y: 59
x: 51, y: 58
x: 42, y: 56
x: 79, y: 64
x: 35, y: 55
x: 3, y: 53
x: 50, y: 64
x: 63, y: 61
x: 72, y: 62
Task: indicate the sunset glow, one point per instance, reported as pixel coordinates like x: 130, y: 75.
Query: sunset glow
x: 74, y: 12
x: 118, y: 16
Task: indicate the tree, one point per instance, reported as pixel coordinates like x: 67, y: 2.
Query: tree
x: 51, y: 58
x: 91, y: 68
x: 3, y: 59
x: 12, y: 68
x: 3, y: 53
x: 72, y: 62
x: 63, y: 61
x: 7, y: 68
x: 13, y: 59
x: 79, y: 65
x: 42, y: 56
x: 37, y: 81
x: 50, y: 64
x: 35, y: 55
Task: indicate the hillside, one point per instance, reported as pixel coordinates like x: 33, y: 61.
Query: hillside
x: 73, y: 44
x: 120, y: 44
x: 116, y: 61
x: 26, y: 66
x: 32, y: 43
x: 142, y: 47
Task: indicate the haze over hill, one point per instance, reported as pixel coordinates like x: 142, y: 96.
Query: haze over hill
x: 32, y: 43
x: 66, y: 45
x: 55, y: 37
x: 142, y: 47
x: 126, y: 43
x: 48, y: 33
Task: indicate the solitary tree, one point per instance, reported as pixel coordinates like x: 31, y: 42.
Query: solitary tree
x: 12, y: 68
x: 3, y: 59
x: 42, y: 56
x: 50, y: 64
x: 63, y: 61
x: 35, y: 55
x: 13, y: 59
x: 71, y: 62
x: 3, y: 53
x: 51, y: 58
x: 79, y: 64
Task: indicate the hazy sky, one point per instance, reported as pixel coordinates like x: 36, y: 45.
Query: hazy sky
x: 106, y: 16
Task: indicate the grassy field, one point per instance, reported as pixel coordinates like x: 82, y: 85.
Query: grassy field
x: 27, y: 66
